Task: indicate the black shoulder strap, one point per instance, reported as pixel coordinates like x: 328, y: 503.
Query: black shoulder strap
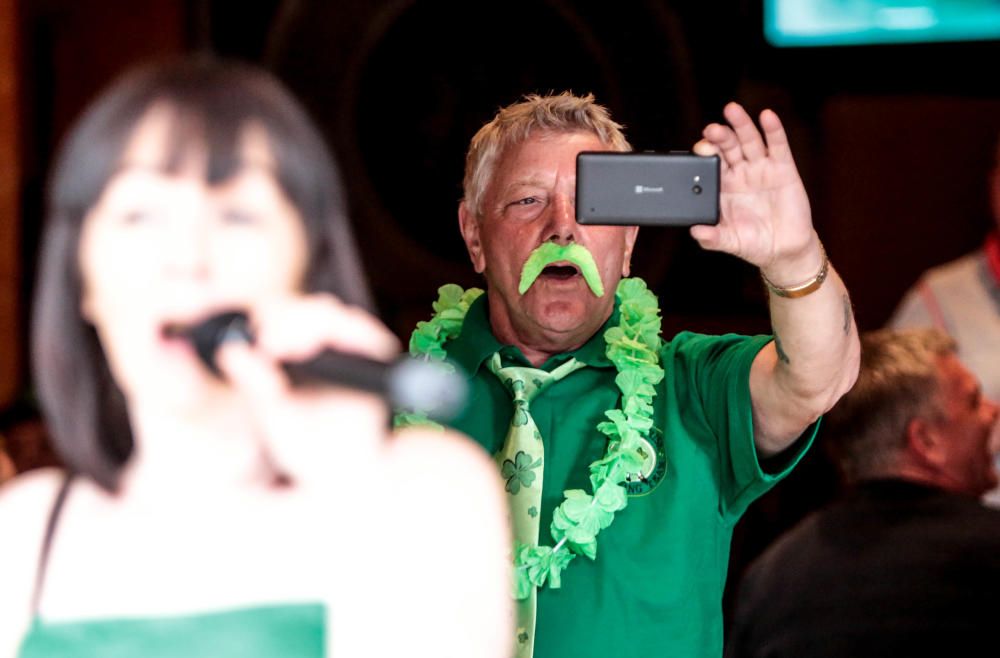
x: 50, y: 530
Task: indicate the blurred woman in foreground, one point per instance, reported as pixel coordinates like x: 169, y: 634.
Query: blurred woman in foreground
x: 235, y: 515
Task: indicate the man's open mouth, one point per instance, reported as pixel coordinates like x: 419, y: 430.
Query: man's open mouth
x: 561, y: 271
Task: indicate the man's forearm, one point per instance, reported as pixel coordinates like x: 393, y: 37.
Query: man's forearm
x: 815, y: 355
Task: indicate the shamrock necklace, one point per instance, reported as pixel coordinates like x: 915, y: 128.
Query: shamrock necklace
x: 633, y: 346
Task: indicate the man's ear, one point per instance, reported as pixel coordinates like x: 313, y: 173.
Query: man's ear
x: 923, y: 442
x: 631, y: 233
x: 468, y: 224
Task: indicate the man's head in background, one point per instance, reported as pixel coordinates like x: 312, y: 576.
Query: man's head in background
x: 915, y: 413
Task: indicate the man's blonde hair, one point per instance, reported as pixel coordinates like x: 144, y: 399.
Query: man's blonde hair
x: 512, y: 125
x: 899, y: 380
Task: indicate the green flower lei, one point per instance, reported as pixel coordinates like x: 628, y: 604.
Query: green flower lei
x: 428, y: 339
x: 634, y: 348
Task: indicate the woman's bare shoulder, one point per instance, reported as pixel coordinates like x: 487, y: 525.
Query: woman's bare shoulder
x: 25, y: 505
x: 26, y: 499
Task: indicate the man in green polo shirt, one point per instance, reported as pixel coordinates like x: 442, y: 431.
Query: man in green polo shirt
x: 629, y: 459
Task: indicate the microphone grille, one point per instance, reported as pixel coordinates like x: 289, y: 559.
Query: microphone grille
x: 208, y: 335
x: 430, y: 387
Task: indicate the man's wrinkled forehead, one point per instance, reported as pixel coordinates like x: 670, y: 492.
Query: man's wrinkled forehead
x: 516, y: 143
x: 509, y: 161
x: 525, y: 179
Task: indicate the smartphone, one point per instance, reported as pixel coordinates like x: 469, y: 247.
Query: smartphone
x: 647, y: 189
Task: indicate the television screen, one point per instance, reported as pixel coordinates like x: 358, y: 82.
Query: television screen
x: 864, y: 22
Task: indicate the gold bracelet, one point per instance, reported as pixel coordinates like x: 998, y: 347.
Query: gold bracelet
x: 810, y: 286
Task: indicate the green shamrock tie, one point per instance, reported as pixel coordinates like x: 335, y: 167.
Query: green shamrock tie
x: 521, y: 461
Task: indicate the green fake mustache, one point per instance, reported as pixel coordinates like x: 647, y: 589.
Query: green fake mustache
x: 550, y: 253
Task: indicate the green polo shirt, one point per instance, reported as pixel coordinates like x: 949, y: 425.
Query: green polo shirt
x: 655, y: 588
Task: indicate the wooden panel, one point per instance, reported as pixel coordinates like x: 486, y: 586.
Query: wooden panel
x: 87, y: 44
x: 905, y: 189
x: 11, y: 349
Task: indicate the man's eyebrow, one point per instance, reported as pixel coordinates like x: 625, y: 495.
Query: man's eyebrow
x: 533, y: 180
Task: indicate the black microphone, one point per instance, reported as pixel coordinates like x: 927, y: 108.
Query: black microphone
x: 429, y: 387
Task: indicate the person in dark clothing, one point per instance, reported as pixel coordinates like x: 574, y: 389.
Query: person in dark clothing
x: 908, y: 563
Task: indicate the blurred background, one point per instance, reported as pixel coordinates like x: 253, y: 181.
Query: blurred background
x: 892, y: 107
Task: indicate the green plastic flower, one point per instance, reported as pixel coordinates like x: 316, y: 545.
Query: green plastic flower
x: 428, y: 339
x: 536, y: 566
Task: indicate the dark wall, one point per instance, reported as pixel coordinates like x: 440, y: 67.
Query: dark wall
x: 400, y: 87
x: 889, y: 139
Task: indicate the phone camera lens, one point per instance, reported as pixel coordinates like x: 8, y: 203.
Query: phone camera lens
x: 696, y: 189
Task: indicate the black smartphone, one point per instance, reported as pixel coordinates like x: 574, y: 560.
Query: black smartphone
x: 647, y: 189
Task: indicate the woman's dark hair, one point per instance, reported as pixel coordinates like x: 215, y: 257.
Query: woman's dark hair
x: 211, y: 103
